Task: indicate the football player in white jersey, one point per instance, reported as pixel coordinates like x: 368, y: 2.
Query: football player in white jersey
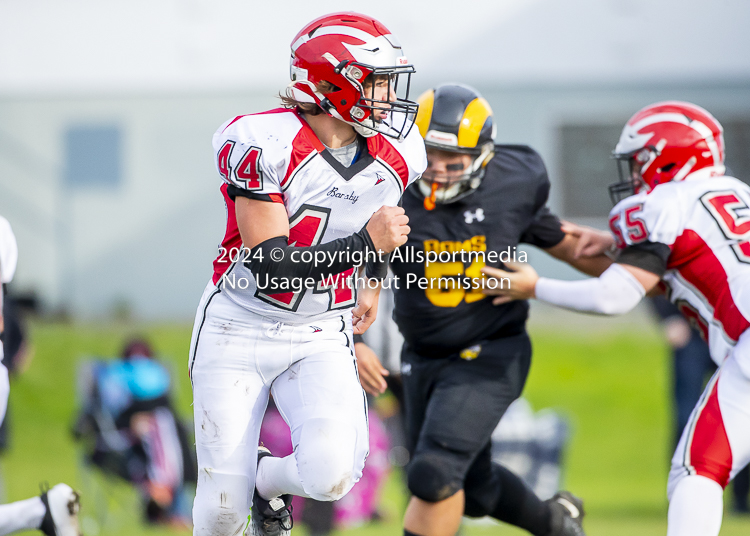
x: 55, y: 512
x: 685, y: 225
x: 311, y: 191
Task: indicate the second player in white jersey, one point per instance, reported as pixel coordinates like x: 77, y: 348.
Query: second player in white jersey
x: 276, y: 156
x: 701, y: 228
x: 685, y: 226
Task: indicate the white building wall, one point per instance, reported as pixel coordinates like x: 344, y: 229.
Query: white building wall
x: 147, y: 243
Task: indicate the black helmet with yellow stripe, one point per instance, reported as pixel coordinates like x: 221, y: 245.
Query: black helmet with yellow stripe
x: 455, y: 118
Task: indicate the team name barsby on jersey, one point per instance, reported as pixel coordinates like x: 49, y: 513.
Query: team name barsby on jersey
x: 334, y: 192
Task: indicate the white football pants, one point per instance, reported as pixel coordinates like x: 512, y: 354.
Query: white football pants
x: 237, y: 358
x: 714, y: 447
x: 21, y: 515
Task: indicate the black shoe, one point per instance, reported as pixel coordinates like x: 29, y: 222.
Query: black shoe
x: 567, y: 515
x: 274, y: 517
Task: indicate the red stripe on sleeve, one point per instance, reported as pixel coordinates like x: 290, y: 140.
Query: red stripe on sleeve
x: 698, y: 265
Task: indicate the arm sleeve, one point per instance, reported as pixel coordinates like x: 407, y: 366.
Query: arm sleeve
x: 614, y: 292
x: 650, y: 256
x: 336, y: 256
x: 377, y: 265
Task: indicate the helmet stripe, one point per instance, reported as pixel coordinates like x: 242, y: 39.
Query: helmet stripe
x: 704, y: 131
x: 473, y: 120
x: 661, y: 118
x: 698, y: 126
x: 424, y: 114
x: 333, y: 30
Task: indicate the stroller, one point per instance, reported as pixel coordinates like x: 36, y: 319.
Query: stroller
x: 128, y: 429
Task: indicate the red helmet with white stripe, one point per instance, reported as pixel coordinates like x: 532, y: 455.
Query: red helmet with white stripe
x: 667, y: 141
x: 344, y: 49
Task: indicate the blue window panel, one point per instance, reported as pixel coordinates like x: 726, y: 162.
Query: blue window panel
x: 93, y: 156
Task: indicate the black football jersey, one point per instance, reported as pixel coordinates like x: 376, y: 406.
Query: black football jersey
x: 509, y: 207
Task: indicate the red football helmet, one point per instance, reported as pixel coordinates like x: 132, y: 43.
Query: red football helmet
x: 343, y: 49
x: 667, y: 141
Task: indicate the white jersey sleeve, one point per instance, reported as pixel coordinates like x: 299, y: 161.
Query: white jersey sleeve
x: 8, y: 252
x: 245, y: 157
x: 655, y: 217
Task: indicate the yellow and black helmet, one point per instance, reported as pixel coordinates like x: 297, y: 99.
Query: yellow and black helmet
x: 455, y: 118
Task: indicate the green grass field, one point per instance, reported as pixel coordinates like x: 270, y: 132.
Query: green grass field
x: 610, y: 382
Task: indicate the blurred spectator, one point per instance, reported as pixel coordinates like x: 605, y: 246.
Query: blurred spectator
x: 532, y: 446
x: 692, y: 366
x: 129, y: 429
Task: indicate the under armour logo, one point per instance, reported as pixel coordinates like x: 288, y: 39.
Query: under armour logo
x: 477, y: 215
x: 380, y: 178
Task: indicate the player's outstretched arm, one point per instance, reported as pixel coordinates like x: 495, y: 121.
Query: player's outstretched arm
x: 591, y: 242
x: 618, y: 290
x: 584, y: 248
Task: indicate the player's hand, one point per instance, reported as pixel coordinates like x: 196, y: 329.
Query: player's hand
x: 366, y: 310
x: 388, y: 228
x: 591, y: 242
x: 518, y: 282
x: 371, y: 371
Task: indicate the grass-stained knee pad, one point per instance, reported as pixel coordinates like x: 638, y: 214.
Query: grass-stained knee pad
x: 435, y: 476
x: 328, y: 460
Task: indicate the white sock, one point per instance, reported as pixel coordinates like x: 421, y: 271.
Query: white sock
x: 21, y: 515
x: 278, y: 476
x: 696, y: 507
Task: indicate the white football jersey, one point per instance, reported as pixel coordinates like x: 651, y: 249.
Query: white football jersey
x: 276, y: 156
x: 706, y: 224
